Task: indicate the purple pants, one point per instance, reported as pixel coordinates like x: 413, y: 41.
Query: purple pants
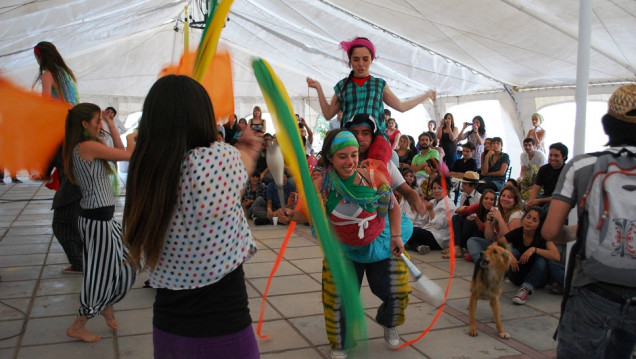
x: 240, y: 345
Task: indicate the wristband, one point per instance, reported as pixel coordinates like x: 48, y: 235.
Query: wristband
x: 396, y: 235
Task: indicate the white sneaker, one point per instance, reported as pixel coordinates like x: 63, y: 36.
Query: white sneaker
x: 338, y: 354
x: 391, y: 337
x: 423, y: 249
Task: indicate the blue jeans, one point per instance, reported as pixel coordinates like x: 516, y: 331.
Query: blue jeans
x: 557, y: 272
x: 594, y: 327
x: 475, y: 246
x: 533, y: 274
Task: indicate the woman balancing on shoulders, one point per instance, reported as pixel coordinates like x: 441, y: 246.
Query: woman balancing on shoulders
x: 360, y: 92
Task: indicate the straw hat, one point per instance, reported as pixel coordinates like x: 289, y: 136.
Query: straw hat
x: 471, y: 177
x: 622, y: 102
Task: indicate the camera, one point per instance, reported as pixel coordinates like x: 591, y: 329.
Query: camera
x: 468, y: 124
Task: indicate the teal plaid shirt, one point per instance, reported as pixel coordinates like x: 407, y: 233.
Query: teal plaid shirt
x: 362, y: 99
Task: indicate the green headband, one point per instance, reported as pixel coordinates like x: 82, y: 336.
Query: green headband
x: 343, y: 139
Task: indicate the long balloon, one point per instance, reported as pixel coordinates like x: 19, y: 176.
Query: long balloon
x: 288, y: 137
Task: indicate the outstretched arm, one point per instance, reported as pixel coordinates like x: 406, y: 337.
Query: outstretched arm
x: 403, y: 106
x: 328, y: 110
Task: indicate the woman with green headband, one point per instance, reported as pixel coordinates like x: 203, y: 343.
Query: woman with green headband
x: 357, y: 200
x: 537, y: 133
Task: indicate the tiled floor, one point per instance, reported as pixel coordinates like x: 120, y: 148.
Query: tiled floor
x: 38, y: 302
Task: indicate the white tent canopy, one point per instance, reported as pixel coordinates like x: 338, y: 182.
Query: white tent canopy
x: 520, y: 52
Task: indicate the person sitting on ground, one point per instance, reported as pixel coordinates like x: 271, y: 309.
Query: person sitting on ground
x: 254, y: 188
x: 469, y: 197
x: 483, y: 154
x: 419, y: 161
x: 432, y: 233
x: 470, y: 221
x: 431, y: 167
x: 548, y: 177
x: 501, y: 219
x: 241, y: 127
x: 435, y: 144
x: 531, y: 160
x: 405, y: 156
x: 261, y: 164
x: 466, y: 163
x: 266, y: 209
x: 529, y: 267
x: 530, y: 157
x: 495, y: 166
x: 513, y: 182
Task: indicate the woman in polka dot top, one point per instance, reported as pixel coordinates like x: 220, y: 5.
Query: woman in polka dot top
x: 184, y: 223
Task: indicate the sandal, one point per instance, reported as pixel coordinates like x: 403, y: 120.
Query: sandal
x: 457, y: 255
x: 445, y: 251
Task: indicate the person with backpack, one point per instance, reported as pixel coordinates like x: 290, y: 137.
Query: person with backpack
x: 598, y: 314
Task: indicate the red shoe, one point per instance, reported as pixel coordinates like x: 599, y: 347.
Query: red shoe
x: 70, y: 270
x: 468, y: 257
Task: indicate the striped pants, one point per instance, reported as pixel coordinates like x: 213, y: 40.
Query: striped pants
x: 388, y: 280
x: 107, y: 274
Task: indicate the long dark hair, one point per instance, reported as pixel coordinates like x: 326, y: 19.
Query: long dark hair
x: 177, y: 117
x: 482, y: 211
x: 408, y: 170
x: 541, y: 212
x: 52, y: 61
x: 74, y: 133
x: 482, y: 126
x: 452, y: 124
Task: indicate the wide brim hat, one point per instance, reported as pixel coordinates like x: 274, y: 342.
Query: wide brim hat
x: 622, y: 102
x: 471, y: 177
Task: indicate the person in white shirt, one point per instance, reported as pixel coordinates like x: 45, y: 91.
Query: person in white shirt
x: 335, y: 122
x: 431, y: 230
x: 530, y: 157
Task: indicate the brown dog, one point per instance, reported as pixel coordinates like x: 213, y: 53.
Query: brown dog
x: 487, y: 283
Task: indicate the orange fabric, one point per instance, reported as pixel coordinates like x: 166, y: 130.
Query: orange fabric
x: 217, y: 81
x: 451, y: 253
x: 279, y: 258
x: 31, y: 129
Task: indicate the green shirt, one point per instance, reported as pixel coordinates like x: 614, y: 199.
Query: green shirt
x: 420, y: 158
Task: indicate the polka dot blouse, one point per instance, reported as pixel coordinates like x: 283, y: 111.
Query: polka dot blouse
x: 208, y: 236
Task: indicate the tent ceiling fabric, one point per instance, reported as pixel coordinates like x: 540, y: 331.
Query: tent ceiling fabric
x: 116, y: 48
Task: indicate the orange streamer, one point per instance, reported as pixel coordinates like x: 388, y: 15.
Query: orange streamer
x: 451, y: 252
x: 31, y: 129
x: 279, y: 258
x: 217, y: 81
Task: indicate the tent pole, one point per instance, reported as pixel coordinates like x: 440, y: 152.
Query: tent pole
x: 582, y: 74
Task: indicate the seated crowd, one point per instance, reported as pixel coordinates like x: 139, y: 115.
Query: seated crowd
x: 488, y: 209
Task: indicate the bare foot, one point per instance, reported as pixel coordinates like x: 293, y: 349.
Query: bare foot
x: 110, y: 317
x: 78, y: 330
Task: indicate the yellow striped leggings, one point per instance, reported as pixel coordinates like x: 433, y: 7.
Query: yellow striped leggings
x: 388, y: 280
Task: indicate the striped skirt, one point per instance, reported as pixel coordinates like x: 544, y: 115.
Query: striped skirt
x: 107, y: 274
